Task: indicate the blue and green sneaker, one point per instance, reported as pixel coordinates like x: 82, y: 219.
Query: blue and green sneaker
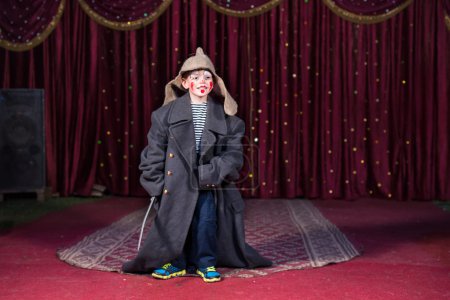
x: 168, y: 271
x: 209, y: 274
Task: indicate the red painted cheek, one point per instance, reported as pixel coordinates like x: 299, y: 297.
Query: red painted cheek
x: 192, y: 86
x: 211, y: 85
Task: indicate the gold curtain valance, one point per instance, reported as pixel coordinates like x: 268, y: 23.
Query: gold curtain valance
x: 39, y: 38
x: 364, y: 19
x: 125, y: 25
x: 254, y: 11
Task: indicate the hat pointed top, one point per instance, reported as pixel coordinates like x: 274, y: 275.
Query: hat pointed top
x: 199, y: 51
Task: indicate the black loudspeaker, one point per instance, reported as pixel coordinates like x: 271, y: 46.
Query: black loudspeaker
x: 22, y: 151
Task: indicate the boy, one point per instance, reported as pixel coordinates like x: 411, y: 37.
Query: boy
x: 193, y: 155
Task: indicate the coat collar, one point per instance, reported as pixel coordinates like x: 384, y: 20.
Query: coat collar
x: 181, y: 110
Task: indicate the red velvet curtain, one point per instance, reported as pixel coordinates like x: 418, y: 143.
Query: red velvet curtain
x: 333, y: 109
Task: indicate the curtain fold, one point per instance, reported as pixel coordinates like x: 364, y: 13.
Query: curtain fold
x: 333, y: 109
x: 25, y: 24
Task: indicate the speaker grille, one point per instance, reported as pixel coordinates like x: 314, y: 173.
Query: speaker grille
x: 22, y: 153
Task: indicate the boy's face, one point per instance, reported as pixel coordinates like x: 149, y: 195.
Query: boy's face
x: 200, y: 83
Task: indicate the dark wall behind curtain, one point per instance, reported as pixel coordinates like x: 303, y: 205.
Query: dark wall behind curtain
x: 333, y: 109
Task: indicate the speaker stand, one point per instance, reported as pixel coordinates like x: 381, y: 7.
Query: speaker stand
x: 41, y: 194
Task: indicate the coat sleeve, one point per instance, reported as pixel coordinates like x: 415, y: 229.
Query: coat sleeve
x: 225, y: 166
x: 153, y: 159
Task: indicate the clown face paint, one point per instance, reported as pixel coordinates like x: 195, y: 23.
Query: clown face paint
x: 200, y: 84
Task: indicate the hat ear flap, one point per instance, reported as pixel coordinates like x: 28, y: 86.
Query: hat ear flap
x: 229, y: 105
x: 170, y: 89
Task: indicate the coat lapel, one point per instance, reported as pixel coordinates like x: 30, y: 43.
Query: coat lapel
x: 215, y: 124
x: 181, y: 129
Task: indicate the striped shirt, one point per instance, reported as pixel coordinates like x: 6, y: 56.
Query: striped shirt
x: 199, y: 119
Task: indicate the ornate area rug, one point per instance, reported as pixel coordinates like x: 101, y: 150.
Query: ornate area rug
x: 291, y: 233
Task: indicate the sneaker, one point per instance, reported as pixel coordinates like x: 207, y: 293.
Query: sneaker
x: 209, y: 274
x: 168, y: 271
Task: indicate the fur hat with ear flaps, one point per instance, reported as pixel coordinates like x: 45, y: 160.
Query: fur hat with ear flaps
x: 196, y: 62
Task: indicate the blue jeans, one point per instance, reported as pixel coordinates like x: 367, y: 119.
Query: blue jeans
x: 200, y: 249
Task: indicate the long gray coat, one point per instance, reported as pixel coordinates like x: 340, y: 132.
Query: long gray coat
x: 171, y: 170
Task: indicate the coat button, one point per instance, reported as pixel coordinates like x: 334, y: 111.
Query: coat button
x: 169, y: 173
x: 171, y: 155
x: 166, y: 191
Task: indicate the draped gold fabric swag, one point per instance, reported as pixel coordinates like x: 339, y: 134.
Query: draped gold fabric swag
x: 39, y: 18
x: 115, y: 17
x: 360, y: 18
x: 30, y: 28
x: 242, y: 8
